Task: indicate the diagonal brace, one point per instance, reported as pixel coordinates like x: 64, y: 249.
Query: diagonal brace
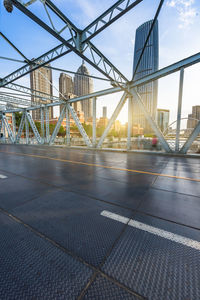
x: 191, y: 139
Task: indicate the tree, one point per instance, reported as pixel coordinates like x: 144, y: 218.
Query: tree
x: 62, y: 131
x: 18, y: 117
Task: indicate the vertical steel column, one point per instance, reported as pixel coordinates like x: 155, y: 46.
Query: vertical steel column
x: 180, y: 97
x: 67, y: 126
x: 14, y: 125
x: 4, y: 130
x: 94, y: 117
x: 42, y: 122
x: 130, y: 122
x: 47, y: 124
x: 27, y: 130
x: 1, y: 122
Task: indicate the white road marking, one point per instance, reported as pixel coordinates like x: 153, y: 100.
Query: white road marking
x: 3, y: 176
x: 153, y: 230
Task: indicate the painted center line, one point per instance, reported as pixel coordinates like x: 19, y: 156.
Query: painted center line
x: 102, y: 166
x: 153, y: 230
x: 3, y: 176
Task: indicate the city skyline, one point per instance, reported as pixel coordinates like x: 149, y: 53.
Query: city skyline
x: 178, y: 21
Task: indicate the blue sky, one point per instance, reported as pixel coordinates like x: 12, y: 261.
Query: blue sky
x: 179, y: 26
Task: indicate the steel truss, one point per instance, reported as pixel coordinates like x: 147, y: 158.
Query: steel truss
x: 79, y: 41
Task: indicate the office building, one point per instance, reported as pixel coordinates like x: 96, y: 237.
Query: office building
x: 66, y: 88
x: 147, y: 65
x: 163, y: 119
x: 83, y: 85
x: 194, y: 117
x: 41, y: 80
x: 104, y: 111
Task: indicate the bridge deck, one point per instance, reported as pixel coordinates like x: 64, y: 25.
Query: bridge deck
x: 80, y: 224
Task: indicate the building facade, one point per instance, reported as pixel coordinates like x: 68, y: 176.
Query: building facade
x: 66, y: 88
x: 104, y: 111
x: 147, y: 65
x: 41, y: 80
x: 194, y: 117
x: 163, y: 119
x: 84, y: 85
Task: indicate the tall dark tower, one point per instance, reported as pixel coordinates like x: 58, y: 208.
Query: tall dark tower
x: 83, y: 85
x: 148, y: 65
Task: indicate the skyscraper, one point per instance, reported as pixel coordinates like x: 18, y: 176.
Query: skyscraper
x: 104, y: 111
x: 66, y: 87
x: 148, y: 64
x: 41, y: 80
x: 163, y: 119
x: 84, y: 85
x: 194, y: 117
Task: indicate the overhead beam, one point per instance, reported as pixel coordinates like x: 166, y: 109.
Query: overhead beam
x: 108, y: 17
x: 31, y: 92
x: 184, y: 63
x: 48, y: 57
x: 106, y: 68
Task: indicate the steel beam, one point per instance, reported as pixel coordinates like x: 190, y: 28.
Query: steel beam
x: 15, y: 100
x: 31, y: 92
x: 102, y: 64
x: 27, y: 130
x: 94, y: 118
x: 180, y: 97
x: 191, y: 139
x: 151, y: 121
x: 67, y: 126
x: 184, y: 63
x: 14, y: 47
x: 112, y: 119
x: 42, y: 123
x: 9, y: 131
x: 21, y: 126
x: 108, y: 17
x: 14, y: 124
x: 56, y: 129
x: 47, y: 123
x: 130, y: 122
x: 34, y: 128
x: 79, y: 125
x: 48, y: 57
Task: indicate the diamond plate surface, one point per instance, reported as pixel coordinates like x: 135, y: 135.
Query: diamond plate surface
x: 104, y: 289
x: 74, y: 221
x: 155, y: 267
x: 32, y: 268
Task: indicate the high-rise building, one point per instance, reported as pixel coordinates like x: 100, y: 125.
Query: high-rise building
x: 83, y: 85
x: 104, y: 111
x: 41, y: 80
x: 194, y: 117
x: 163, y: 119
x: 147, y: 65
x: 66, y: 87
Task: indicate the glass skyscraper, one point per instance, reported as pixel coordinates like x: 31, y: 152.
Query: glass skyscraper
x: 148, y: 65
x: 83, y: 85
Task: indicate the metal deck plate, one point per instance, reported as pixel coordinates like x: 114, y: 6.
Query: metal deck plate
x: 32, y: 268
x: 104, y: 289
x: 155, y: 267
x: 74, y: 222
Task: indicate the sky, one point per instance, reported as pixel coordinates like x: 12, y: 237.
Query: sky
x: 179, y: 26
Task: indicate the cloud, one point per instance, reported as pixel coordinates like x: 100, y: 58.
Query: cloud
x: 186, y: 11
